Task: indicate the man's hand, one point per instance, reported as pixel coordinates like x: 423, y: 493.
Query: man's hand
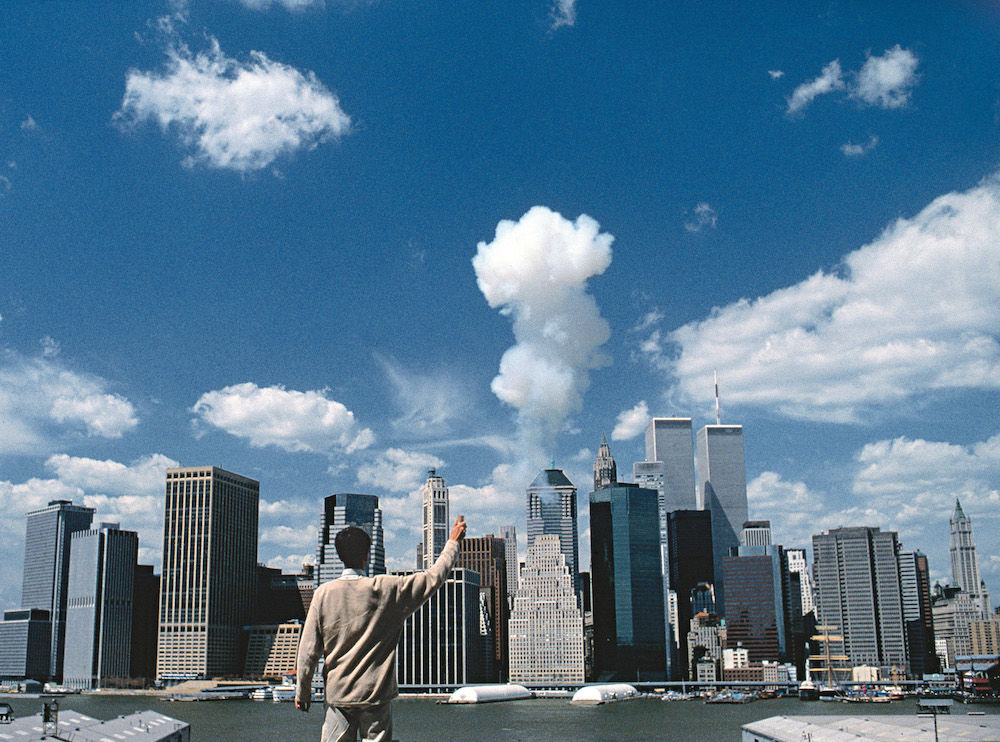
x: 302, y: 705
x: 458, y: 530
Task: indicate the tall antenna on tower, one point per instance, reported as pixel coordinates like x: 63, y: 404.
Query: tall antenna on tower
x: 718, y: 412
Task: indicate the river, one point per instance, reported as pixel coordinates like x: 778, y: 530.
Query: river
x: 536, y: 720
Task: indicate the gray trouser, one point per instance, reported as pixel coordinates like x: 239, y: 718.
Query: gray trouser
x: 373, y: 722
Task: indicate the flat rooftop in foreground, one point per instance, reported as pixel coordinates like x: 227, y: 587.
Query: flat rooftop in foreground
x: 143, y: 726
x: 887, y: 728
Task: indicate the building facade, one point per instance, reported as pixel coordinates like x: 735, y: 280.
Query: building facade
x: 914, y: 575
x: 552, y: 511
x: 627, y: 584
x: 486, y: 555
x: 722, y: 490
x: 797, y: 564
x: 859, y: 591
x: 605, y: 468
x: 25, y: 637
x: 757, y: 614
x: 209, y: 576
x: 509, y: 536
x: 99, y: 607
x: 272, y: 650
x: 546, y: 624
x: 690, y: 563
x: 965, y: 561
x: 47, y: 537
x: 342, y: 510
x: 436, y: 518
x: 440, y: 645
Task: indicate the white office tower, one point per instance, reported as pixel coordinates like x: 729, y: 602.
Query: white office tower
x: 546, y: 625
x: 340, y: 511
x: 722, y: 490
x: 509, y: 536
x: 436, y: 519
x: 965, y: 561
x: 552, y: 511
x: 99, y: 607
x: 756, y: 533
x: 797, y: 563
x: 209, y: 582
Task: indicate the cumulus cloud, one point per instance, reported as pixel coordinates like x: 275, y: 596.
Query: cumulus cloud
x: 536, y: 271
x: 830, y: 79
x: 631, y: 422
x: 563, y: 13
x: 914, y: 312
x: 38, y: 393
x: 858, y: 150
x: 887, y: 81
x: 233, y: 115
x: 397, y: 470
x: 704, y: 217
x: 291, y: 420
x: 144, y: 476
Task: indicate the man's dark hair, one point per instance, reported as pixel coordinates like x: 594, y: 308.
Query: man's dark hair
x: 353, y: 545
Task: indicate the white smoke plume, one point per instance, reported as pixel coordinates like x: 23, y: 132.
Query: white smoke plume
x: 536, y: 270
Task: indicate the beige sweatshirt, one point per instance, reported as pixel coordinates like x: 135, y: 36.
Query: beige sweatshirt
x: 354, y: 625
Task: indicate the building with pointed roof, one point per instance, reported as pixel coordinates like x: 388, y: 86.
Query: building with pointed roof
x: 965, y: 561
x: 605, y: 469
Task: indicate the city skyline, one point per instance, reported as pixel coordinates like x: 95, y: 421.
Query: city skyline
x: 473, y: 239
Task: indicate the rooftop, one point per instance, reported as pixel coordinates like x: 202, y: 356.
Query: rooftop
x: 888, y: 728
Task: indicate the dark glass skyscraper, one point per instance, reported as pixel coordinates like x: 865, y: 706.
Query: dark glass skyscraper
x: 46, y: 567
x: 626, y: 584
x: 757, y: 612
x: 689, y: 534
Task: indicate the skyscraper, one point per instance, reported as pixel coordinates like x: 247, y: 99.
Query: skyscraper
x: 509, y: 536
x: 627, y: 584
x: 757, y: 614
x: 914, y: 575
x: 722, y: 490
x: 669, y: 466
x: 439, y: 645
x: 605, y: 469
x: 691, y: 563
x: 339, y: 511
x: 46, y: 567
x: 552, y: 511
x: 99, y: 607
x: 209, y: 572
x: 858, y: 590
x: 486, y: 556
x: 546, y: 625
x: 797, y: 564
x: 436, y: 526
x: 965, y: 561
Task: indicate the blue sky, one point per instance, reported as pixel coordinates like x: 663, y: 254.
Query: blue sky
x: 331, y: 244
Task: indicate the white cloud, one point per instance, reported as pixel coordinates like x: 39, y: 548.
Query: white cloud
x: 914, y: 312
x: 145, y: 476
x: 429, y: 402
x: 291, y: 420
x: 50, y: 347
x: 858, y: 150
x: 397, y: 470
x: 563, y: 13
x: 37, y: 393
x: 536, y: 270
x: 831, y: 79
x: 704, y: 217
x: 631, y: 422
x: 29, y: 124
x: 230, y: 114
x: 776, y: 74
x: 887, y: 81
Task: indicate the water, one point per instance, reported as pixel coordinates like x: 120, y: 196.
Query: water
x: 536, y: 720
